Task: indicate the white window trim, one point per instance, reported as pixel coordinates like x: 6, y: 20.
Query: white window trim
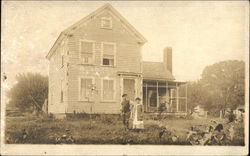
x: 79, y: 87
x: 110, y: 43
x: 106, y: 18
x: 114, y: 94
x: 80, y: 49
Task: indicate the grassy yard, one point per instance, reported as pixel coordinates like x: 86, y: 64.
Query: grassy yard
x: 103, y: 130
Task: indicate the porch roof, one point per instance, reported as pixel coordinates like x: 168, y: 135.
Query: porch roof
x: 156, y: 70
x: 162, y: 83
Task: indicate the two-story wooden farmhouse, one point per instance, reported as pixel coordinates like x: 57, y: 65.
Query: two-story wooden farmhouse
x: 96, y: 60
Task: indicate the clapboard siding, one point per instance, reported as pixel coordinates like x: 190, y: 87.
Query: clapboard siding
x: 127, y: 49
x: 128, y: 59
x: 57, y: 73
x: 76, y: 71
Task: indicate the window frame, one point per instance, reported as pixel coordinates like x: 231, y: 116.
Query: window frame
x: 79, y: 87
x: 102, y: 53
x: 80, y: 51
x: 102, y: 22
x: 114, y: 89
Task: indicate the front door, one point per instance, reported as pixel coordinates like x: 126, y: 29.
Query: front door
x: 129, y: 88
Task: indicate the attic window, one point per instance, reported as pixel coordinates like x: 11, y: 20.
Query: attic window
x: 106, y: 22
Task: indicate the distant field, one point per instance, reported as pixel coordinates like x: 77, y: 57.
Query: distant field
x: 103, y: 130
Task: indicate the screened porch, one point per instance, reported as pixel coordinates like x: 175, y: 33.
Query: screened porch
x: 164, y: 96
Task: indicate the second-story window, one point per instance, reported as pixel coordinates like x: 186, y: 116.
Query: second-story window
x: 87, y: 52
x: 108, y: 54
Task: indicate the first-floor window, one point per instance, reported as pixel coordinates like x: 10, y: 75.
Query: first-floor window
x: 108, y: 90
x: 85, y: 88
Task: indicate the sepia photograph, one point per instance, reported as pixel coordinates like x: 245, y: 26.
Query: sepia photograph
x: 124, y: 77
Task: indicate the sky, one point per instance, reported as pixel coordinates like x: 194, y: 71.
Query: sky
x: 200, y: 33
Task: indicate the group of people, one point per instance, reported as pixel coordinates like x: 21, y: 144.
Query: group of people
x: 132, y: 113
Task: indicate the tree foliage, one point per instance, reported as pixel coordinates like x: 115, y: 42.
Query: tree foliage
x: 221, y: 86
x: 197, y: 95
x: 29, y: 92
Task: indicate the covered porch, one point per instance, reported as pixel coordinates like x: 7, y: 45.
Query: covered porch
x: 162, y: 96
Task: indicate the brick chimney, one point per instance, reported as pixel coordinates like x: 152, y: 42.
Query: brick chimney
x: 167, y: 58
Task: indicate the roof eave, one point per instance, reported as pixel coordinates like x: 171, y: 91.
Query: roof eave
x: 137, y: 33
x: 73, y: 27
x: 51, y: 51
x: 158, y: 79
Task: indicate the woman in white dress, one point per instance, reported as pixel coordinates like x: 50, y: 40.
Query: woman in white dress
x: 137, y: 115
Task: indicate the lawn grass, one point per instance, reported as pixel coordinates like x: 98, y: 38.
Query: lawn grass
x: 103, y: 130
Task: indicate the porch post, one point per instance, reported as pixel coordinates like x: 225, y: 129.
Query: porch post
x: 171, y: 99
x: 167, y: 102
x: 146, y: 96
x: 157, y: 96
x: 177, y: 98
x: 136, y: 87
x: 186, y: 99
x: 121, y: 86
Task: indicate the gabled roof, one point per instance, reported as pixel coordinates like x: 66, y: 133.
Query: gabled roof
x: 75, y: 26
x: 156, y: 70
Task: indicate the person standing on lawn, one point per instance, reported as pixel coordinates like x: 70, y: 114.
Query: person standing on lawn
x: 137, y: 115
x: 125, y: 110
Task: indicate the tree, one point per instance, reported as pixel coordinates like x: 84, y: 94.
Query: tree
x: 195, y: 95
x: 221, y: 86
x: 224, y: 82
x: 29, y: 93
x: 198, y: 95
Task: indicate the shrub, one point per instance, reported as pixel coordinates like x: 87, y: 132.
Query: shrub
x: 108, y: 118
x: 239, y: 132
x: 73, y: 116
